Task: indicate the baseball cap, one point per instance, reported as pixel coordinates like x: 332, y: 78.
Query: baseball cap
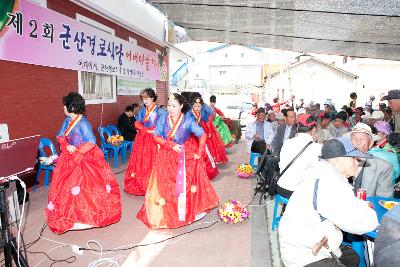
x: 377, y: 114
x: 341, y: 147
x: 383, y: 127
x: 302, y: 119
x: 364, y: 128
x: 392, y: 94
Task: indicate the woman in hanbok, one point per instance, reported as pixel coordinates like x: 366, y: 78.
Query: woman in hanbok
x: 201, y: 114
x: 83, y: 192
x: 179, y: 191
x: 144, y: 148
x: 204, y: 116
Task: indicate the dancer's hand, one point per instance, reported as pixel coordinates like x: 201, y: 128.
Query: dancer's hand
x: 71, y: 149
x: 150, y: 131
x: 178, y: 148
x: 196, y: 156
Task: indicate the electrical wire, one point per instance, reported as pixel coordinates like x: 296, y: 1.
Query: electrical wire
x: 21, y: 219
x: 112, y: 262
x: 39, y: 232
x: 120, y: 171
x: 133, y: 244
x: 149, y: 244
x: 45, y: 254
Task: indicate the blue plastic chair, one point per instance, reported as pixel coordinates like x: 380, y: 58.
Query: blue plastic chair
x: 253, y: 157
x: 113, y: 149
x: 105, y: 153
x: 114, y: 130
x: 45, y: 142
x: 276, y: 219
x: 358, y: 246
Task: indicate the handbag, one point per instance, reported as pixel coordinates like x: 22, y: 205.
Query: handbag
x: 274, y: 181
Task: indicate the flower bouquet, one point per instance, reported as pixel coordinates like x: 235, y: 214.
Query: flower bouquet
x: 115, y: 140
x: 233, y: 212
x: 244, y: 171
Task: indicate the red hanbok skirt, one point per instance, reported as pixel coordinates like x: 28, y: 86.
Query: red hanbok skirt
x: 215, y: 143
x: 160, y: 208
x: 140, y: 164
x: 83, y: 192
x: 211, y: 167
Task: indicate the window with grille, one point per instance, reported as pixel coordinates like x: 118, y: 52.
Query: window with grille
x: 96, y: 86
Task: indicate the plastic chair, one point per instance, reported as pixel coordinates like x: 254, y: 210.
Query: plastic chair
x: 108, y: 147
x: 114, y: 130
x: 358, y: 246
x: 253, y: 157
x: 105, y: 153
x: 45, y: 142
x: 276, y: 219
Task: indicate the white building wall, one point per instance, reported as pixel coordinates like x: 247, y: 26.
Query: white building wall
x: 313, y: 81
x: 376, y: 77
x: 235, y: 75
x: 235, y: 55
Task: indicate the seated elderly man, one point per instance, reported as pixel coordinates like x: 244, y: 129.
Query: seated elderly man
x: 375, y: 174
x: 259, y: 134
x: 323, y: 205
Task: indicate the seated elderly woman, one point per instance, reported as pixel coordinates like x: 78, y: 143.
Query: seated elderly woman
x: 384, y: 130
x: 383, y: 149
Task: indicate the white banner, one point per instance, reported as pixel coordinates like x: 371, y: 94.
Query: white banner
x: 126, y: 86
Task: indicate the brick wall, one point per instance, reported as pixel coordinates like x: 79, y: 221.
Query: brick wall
x: 31, y: 96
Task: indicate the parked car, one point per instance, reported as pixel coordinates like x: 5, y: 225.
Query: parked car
x: 239, y: 111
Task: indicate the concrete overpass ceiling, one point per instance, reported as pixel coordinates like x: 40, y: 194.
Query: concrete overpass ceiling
x: 355, y: 28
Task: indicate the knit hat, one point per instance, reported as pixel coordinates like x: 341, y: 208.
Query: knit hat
x: 383, y: 127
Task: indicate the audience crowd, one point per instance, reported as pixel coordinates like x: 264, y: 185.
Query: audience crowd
x: 333, y: 155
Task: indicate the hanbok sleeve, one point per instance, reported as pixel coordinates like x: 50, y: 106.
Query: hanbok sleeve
x: 87, y: 133
x: 139, y: 118
x: 159, y: 132
x: 60, y: 136
x: 139, y: 126
x: 161, y: 112
x: 140, y: 115
x: 219, y: 112
x: 206, y: 112
x: 63, y: 127
x: 200, y: 134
